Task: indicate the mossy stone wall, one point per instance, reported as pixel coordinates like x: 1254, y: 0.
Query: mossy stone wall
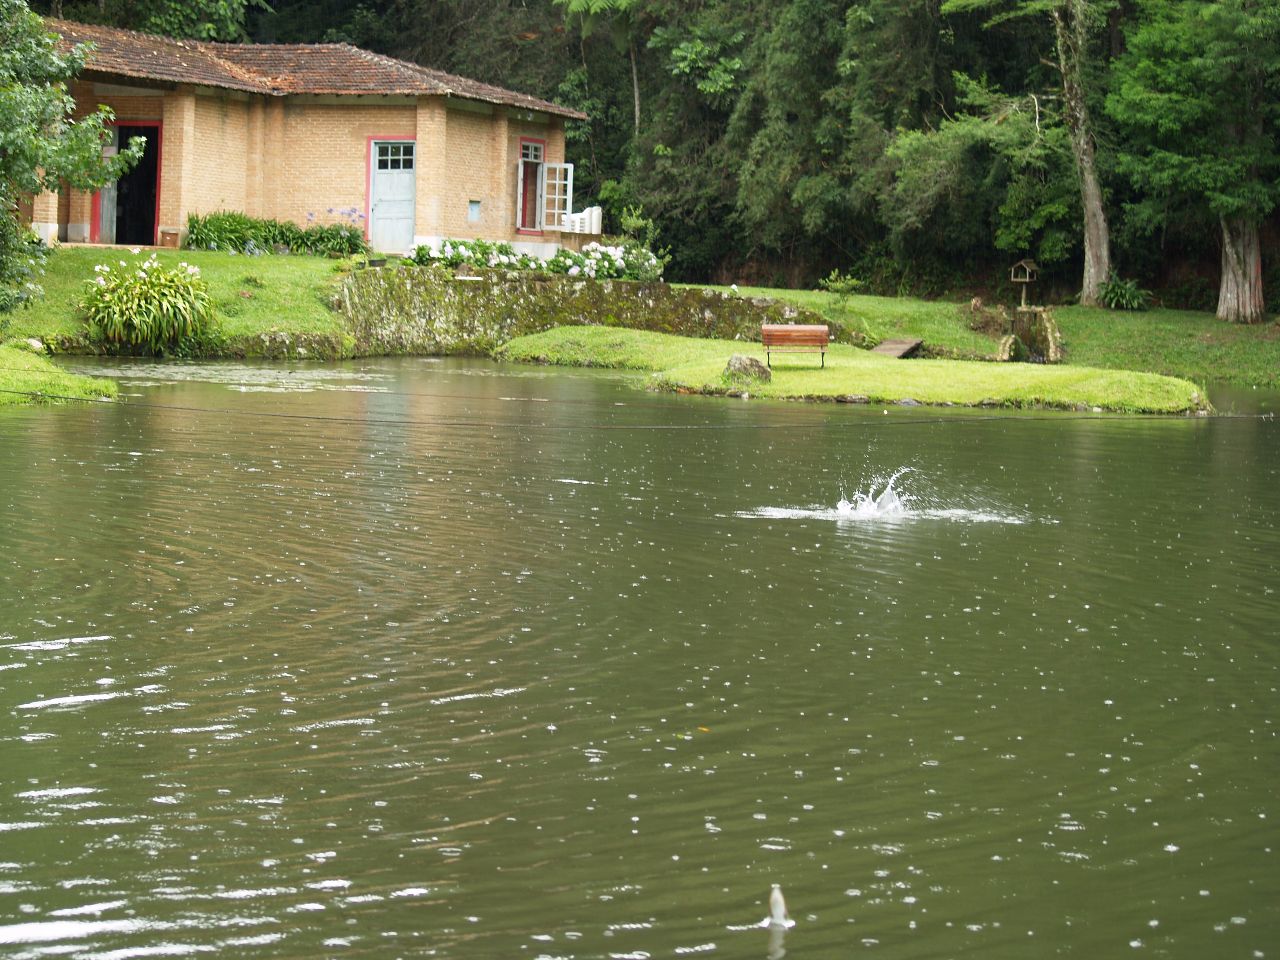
x: 428, y: 310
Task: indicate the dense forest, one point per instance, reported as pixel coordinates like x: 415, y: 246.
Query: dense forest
x: 918, y: 145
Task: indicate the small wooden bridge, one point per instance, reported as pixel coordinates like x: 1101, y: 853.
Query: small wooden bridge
x: 897, y: 348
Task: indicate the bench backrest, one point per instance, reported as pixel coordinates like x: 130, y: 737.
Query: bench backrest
x: 794, y: 334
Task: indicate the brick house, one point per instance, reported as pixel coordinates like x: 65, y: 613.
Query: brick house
x: 318, y: 133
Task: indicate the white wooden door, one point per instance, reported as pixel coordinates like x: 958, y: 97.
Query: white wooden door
x: 392, y: 194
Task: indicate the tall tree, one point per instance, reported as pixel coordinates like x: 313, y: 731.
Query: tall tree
x: 1199, y: 91
x: 999, y: 165
x: 40, y: 146
x: 1074, y: 24
x: 622, y: 19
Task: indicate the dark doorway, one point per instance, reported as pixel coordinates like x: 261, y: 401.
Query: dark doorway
x: 136, y: 190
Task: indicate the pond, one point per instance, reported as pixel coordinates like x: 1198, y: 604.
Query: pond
x: 444, y: 658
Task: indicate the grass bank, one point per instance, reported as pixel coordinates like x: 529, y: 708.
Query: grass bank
x: 697, y: 366
x: 1177, y: 343
x: 264, y: 306
x: 23, y: 373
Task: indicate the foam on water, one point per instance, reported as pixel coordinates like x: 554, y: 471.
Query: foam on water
x: 888, y: 505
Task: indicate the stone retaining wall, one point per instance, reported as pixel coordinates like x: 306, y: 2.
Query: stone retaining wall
x: 428, y: 310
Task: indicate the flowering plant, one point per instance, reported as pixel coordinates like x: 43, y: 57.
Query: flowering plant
x: 476, y: 253
x: 146, y: 305
x: 627, y: 260
x: 597, y: 261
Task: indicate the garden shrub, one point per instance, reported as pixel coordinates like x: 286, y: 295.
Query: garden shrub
x: 1117, y: 294
x: 148, y: 307
x: 627, y: 260
x: 235, y: 232
x: 475, y: 253
x: 841, y: 284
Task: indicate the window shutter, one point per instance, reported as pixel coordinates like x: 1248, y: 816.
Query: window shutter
x: 557, y: 194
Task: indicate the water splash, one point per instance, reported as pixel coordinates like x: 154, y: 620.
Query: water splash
x: 870, y: 505
x: 883, y: 501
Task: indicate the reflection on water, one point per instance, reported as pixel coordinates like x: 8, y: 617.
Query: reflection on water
x: 481, y: 662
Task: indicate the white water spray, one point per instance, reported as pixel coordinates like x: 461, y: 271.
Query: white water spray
x: 886, y: 503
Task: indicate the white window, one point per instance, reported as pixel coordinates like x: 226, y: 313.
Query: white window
x: 544, y: 191
x: 395, y: 156
x: 557, y: 194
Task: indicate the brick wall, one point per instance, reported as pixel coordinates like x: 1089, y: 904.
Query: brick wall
x: 468, y: 162
x: 220, y: 151
x: 474, y: 158
x: 321, y: 160
x: 291, y: 157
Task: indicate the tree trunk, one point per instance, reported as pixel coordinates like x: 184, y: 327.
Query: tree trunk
x: 635, y: 85
x: 1240, y: 298
x: 1071, y: 31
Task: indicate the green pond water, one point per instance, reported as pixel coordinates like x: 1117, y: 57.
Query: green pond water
x: 427, y: 658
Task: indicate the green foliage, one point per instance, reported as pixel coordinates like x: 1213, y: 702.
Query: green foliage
x: 21, y: 257
x: 1198, y: 94
x: 148, y: 307
x: 197, y: 19
x: 1117, y: 294
x: 40, y: 145
x: 238, y: 233
x: 999, y: 173
x: 841, y: 284
x: 704, y: 56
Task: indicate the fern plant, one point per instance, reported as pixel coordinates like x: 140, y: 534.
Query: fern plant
x: 1117, y: 294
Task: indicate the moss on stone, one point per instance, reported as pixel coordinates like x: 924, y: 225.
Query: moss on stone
x: 428, y: 310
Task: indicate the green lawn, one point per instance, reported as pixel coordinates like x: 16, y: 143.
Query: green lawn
x: 23, y: 373
x: 942, y: 326
x: 258, y: 297
x: 697, y: 365
x: 1180, y: 343
x: 251, y: 295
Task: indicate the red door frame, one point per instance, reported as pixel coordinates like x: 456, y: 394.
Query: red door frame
x: 95, y: 205
x: 368, y: 178
x: 534, y: 231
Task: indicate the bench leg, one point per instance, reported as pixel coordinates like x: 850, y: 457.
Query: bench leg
x: 824, y: 359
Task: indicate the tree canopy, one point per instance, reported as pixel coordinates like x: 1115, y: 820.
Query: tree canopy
x: 917, y: 144
x: 40, y: 146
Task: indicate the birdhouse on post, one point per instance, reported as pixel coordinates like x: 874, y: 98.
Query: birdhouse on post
x: 1024, y: 272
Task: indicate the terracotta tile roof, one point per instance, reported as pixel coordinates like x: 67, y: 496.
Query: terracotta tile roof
x: 279, y: 69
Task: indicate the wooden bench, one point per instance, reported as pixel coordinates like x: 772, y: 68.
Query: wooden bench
x: 794, y: 338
